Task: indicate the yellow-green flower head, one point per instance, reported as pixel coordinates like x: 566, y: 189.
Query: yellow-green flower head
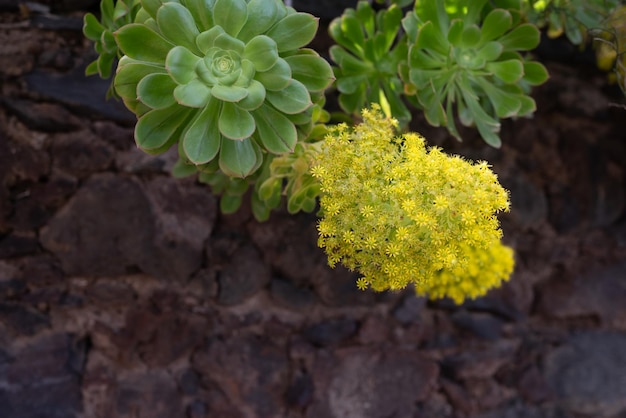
x: 401, y: 213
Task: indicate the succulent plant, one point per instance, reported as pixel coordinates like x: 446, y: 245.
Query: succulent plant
x: 228, y: 79
x: 368, y: 53
x: 113, y: 16
x: 468, y: 57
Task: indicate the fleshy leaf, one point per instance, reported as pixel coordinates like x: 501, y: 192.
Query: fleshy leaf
x: 277, y: 77
x: 235, y: 123
x: 206, y: 39
x: 193, y: 94
x: 202, y: 139
x: 524, y: 37
x: 535, y: 73
x: 292, y: 99
x: 92, y: 27
x: 262, y: 14
x: 141, y: 43
x: 262, y: 51
x: 276, y: 132
x: 177, y: 24
x: 508, y: 71
x: 155, y: 91
x: 198, y: 9
x: 129, y: 73
x: 229, y: 93
x: 294, y: 31
x: 312, y: 71
x: 231, y: 15
x: 181, y: 64
x: 158, y: 128
x: 255, y: 97
x: 239, y: 158
x: 495, y: 24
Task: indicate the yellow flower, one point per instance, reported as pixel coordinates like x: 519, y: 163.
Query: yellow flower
x: 402, y: 213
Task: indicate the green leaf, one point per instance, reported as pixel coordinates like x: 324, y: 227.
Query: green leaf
x: 430, y: 38
x: 523, y: 38
x: 143, y: 44
x: 193, y: 94
x: 311, y: 70
x: 206, y: 39
x: 92, y: 29
x: 349, y: 63
x: 470, y: 36
x: 277, y: 77
x: 293, y: 31
x: 509, y: 71
x: 160, y: 127
x: 505, y: 104
x: 231, y: 15
x: 181, y: 64
x: 262, y: 15
x: 202, y: 139
x: 200, y: 11
x: 105, y: 63
x: 182, y: 169
x: 292, y: 99
x: 229, y: 93
x: 262, y: 51
x: 490, y: 51
x: 535, y: 73
x: 255, y: 97
x: 352, y: 30
x: 235, y: 123
x: 495, y: 24
x: 228, y: 43
x: 276, y: 132
x: 230, y: 203
x: 155, y: 91
x: 455, y: 32
x: 129, y: 73
x: 152, y: 6
x: 178, y: 25
x: 92, y: 68
x: 366, y: 16
x: 353, y: 103
x: 239, y: 158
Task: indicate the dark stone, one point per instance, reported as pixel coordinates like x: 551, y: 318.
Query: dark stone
x: 16, y: 245
x: 150, y: 394
x: 410, y: 309
x: 70, y: 89
x: 529, y: 205
x: 588, y: 373
x: 325, y: 9
x: 22, y: 320
x: 330, y: 332
x: 119, y: 137
x: 482, y: 325
x: 197, y: 409
x: 189, y: 382
x: 600, y: 293
x: 43, y: 380
x: 173, y: 338
x: 106, y: 228
x: 481, y: 363
x: 245, y: 275
x: 300, y: 393
x: 368, y: 383
x: 80, y: 153
x: 533, y: 386
x: 48, y: 117
x: 40, y: 270
x: 286, y: 294
x: 252, y: 372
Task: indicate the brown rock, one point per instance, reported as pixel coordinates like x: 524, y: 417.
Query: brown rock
x: 366, y: 383
x: 251, y: 372
x: 481, y: 362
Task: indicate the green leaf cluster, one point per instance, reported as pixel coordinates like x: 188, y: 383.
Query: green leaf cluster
x: 227, y: 79
x: 112, y: 17
x: 574, y: 18
x: 368, y: 54
x: 466, y: 61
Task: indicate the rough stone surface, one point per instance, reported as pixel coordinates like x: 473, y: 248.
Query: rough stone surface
x: 363, y: 383
x: 588, y: 373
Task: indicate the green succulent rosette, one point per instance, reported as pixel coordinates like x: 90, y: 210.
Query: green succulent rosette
x: 226, y: 79
x: 368, y: 54
x: 466, y: 55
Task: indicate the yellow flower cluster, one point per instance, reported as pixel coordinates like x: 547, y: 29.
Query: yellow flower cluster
x: 401, y: 213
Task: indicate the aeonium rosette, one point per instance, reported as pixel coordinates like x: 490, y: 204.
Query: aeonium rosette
x: 227, y: 78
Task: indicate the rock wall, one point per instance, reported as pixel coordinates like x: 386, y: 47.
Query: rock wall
x: 124, y: 293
